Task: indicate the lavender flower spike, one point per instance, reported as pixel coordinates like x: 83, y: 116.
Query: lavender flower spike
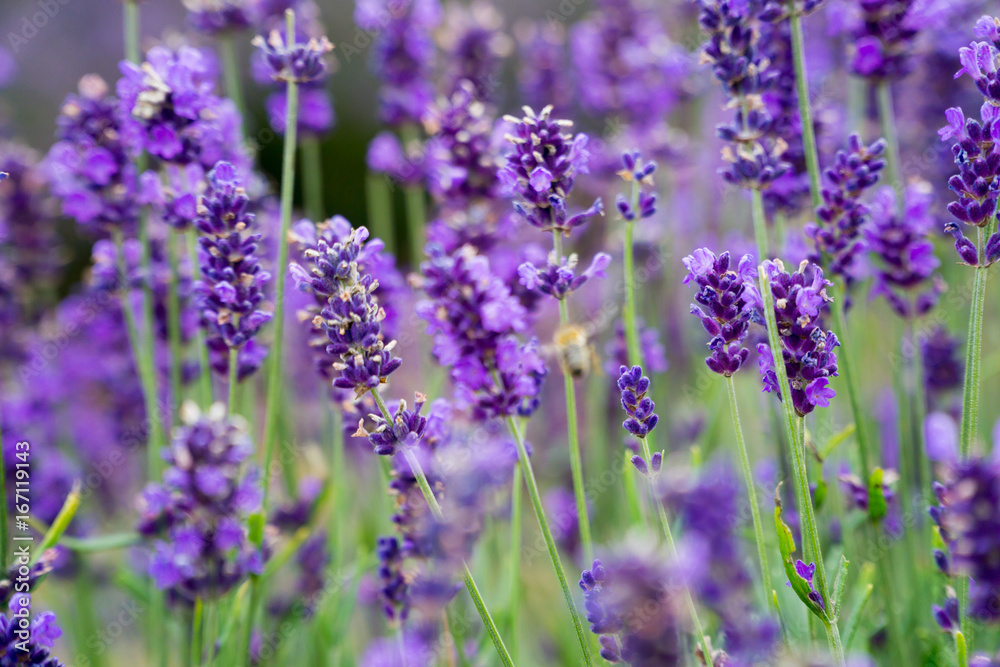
x: 640, y: 408
x: 290, y: 60
x: 807, y: 351
x: 729, y: 296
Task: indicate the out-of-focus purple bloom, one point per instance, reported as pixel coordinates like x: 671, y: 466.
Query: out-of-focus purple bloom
x: 543, y: 72
x: 632, y: 602
x: 969, y: 519
x: 900, y: 242
x: 232, y: 280
x: 217, y: 16
x: 884, y: 38
x: 941, y: 436
x: 316, y: 115
x: 169, y: 109
x: 626, y: 64
x: 474, y: 47
x: 403, y: 54
x: 387, y: 155
x: 558, y: 280
x: 474, y: 320
x: 90, y: 165
x: 807, y: 351
x: 654, y: 354
x: 943, y: 366
x: 201, y: 508
x: 542, y: 168
x: 837, y: 233
x: 726, y: 300
x: 290, y: 59
x: 639, y: 173
x: 947, y: 617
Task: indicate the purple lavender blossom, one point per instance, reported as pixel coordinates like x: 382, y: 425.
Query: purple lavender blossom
x: 626, y: 63
x: 639, y: 407
x: 884, y: 38
x: 543, y: 73
x: 969, y: 519
x: 403, y: 54
x: 32, y: 650
x: 558, y: 280
x: 943, y: 366
x: 350, y: 314
x: 290, y: 59
x: 90, y: 165
x: 213, y: 17
x: 807, y: 351
x: 169, y: 109
x: 632, y: 603
x: 654, y: 353
x: 474, y: 47
x: 730, y: 297
x: 316, y: 114
x: 542, y: 168
x: 639, y: 173
x: 904, y: 253
x: 201, y: 507
x: 232, y: 283
x: 837, y: 236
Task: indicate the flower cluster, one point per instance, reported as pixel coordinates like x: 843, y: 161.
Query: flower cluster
x: 18, y: 650
x: 943, y: 367
x: 904, y: 253
x: 639, y: 407
x: 630, y: 66
x: 639, y: 173
x: 475, y: 321
x: 201, y: 508
x: 726, y: 300
x: 169, y: 108
x: 90, y: 164
x: 543, y: 75
x: 734, y: 51
x: 708, y: 504
x: 541, y: 169
x: 213, y: 17
x: 474, y: 47
x: 289, y: 59
x: 806, y: 350
x: 884, y: 37
x: 837, y: 237
x: 631, y: 602
x: 232, y: 281
x: 981, y: 61
x: 969, y: 519
x: 403, y: 55
x: 350, y: 315
x: 559, y: 279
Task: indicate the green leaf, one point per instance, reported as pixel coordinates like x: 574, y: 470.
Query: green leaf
x: 59, y: 526
x: 854, y: 622
x: 839, y: 585
x: 786, y: 545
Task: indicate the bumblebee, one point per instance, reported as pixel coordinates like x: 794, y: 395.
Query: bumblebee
x: 576, y: 354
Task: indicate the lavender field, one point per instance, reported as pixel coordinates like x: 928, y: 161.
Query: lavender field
x: 472, y: 333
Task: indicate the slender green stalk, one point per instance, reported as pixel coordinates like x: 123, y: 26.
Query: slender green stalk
x: 378, y: 197
x: 231, y: 75
x: 174, y: 323
x: 312, y: 178
x: 234, y: 373
x: 516, y: 515
x: 668, y: 534
x: 758, y: 526
x: 920, y: 415
x: 416, y: 204
x: 550, y: 544
x: 274, y: 380
x: 794, y: 427
x: 805, y: 110
x: 131, y: 17
x: 575, y: 460
x: 196, y: 619
x: 205, y: 367
x: 887, y: 121
x: 961, y: 648
x: 848, y: 370
x: 212, y: 631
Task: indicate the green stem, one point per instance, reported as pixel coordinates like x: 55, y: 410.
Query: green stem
x: 470, y: 583
x: 845, y: 355
x: 378, y: 196
x: 174, y: 323
x: 196, y: 618
x: 794, y: 428
x: 312, y: 178
x: 572, y: 427
x: 131, y: 16
x: 274, y: 380
x: 758, y: 526
x: 887, y: 121
x: 231, y: 75
x: 416, y: 205
x: 234, y: 372
x: 805, y: 110
x: 516, y: 514
x: 550, y: 544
